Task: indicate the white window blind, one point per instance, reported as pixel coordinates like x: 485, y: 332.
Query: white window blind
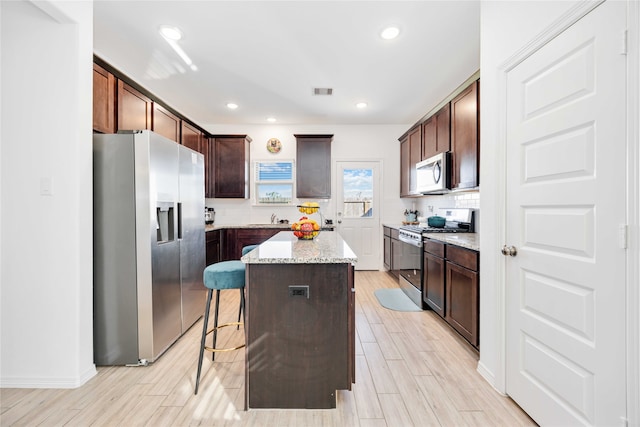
x: 274, y: 182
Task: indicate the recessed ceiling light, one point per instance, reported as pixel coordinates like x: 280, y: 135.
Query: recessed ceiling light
x: 361, y: 105
x: 171, y: 33
x: 271, y: 119
x: 232, y: 106
x: 390, y: 33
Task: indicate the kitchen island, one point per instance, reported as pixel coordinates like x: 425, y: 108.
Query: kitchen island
x: 300, y: 321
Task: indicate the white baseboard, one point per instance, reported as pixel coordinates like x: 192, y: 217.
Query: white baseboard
x: 61, y: 383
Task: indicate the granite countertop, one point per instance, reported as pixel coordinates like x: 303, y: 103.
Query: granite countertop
x: 396, y: 226
x: 285, y: 248
x: 465, y: 240
x: 211, y: 227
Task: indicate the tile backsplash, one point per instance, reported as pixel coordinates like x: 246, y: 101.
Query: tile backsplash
x: 428, y: 205
x: 464, y: 200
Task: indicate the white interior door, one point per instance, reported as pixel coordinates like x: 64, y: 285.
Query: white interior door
x: 565, y: 287
x: 358, y: 210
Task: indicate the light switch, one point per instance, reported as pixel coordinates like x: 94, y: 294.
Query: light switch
x: 46, y: 186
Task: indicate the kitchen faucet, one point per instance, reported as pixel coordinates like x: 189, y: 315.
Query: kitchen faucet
x: 273, y: 218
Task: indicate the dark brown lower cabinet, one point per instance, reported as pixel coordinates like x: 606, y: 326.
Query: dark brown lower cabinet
x: 433, y: 278
x: 300, y: 335
x: 213, y: 246
x: 462, y: 303
x: 386, y: 244
x: 237, y: 238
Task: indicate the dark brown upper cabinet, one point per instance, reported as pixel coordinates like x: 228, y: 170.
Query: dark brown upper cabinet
x: 313, y: 166
x: 207, y: 146
x: 415, y: 155
x: 405, y: 167
x: 436, y: 133
x: 166, y: 123
x: 104, y: 98
x: 191, y: 137
x: 135, y: 109
x: 410, y: 155
x: 465, y: 147
x: 230, y: 164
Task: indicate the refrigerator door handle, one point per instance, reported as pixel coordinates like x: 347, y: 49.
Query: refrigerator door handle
x: 179, y: 221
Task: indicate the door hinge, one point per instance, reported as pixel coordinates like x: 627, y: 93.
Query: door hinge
x: 622, y: 235
x: 624, y: 42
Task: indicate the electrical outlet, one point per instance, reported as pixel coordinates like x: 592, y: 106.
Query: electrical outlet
x: 299, y: 291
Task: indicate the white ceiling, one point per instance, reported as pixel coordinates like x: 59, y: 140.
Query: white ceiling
x: 267, y: 56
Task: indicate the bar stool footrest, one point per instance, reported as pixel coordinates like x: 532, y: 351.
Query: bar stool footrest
x: 224, y: 349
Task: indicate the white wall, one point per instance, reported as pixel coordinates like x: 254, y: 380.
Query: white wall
x: 46, y: 247
x: 506, y: 27
x: 355, y: 143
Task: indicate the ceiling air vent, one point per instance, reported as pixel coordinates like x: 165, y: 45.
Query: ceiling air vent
x: 322, y: 91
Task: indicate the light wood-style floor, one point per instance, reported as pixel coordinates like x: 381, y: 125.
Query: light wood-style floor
x: 411, y: 370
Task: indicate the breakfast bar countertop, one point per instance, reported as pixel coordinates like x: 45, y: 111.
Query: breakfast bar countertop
x: 285, y: 248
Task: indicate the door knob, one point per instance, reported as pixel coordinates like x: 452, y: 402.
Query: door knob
x: 509, y: 250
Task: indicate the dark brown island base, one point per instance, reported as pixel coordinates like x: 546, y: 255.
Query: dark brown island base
x: 300, y: 322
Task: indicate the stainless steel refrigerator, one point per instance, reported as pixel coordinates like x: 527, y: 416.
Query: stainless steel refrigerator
x: 149, y: 245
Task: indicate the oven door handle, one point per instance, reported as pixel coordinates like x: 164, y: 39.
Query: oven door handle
x: 416, y: 243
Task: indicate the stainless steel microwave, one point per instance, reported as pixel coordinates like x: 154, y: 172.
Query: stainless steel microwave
x: 433, y: 174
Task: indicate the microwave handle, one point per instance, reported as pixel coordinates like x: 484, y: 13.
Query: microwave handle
x: 437, y: 172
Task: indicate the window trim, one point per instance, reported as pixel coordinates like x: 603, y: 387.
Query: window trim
x: 257, y: 182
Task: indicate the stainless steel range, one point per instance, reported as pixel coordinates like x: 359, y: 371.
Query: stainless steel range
x: 458, y: 220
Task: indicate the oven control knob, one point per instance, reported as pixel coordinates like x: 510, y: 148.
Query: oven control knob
x: 509, y: 250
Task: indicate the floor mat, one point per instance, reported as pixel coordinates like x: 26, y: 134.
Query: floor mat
x: 395, y: 299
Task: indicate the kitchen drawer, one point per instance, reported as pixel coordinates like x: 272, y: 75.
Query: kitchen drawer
x: 433, y: 247
x: 394, y: 233
x: 387, y: 231
x: 466, y: 258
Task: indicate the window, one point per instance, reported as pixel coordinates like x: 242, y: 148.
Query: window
x: 357, y: 193
x: 274, y: 182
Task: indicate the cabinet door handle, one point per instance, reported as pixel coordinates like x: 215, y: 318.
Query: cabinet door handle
x: 509, y: 250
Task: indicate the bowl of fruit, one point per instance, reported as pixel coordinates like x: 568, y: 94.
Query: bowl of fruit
x: 305, y: 228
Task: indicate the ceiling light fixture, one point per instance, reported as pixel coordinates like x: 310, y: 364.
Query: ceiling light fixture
x: 171, y: 33
x: 271, y: 119
x: 232, y: 106
x: 390, y: 33
x: 361, y: 105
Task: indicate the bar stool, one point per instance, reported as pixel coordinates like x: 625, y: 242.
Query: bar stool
x: 220, y: 276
